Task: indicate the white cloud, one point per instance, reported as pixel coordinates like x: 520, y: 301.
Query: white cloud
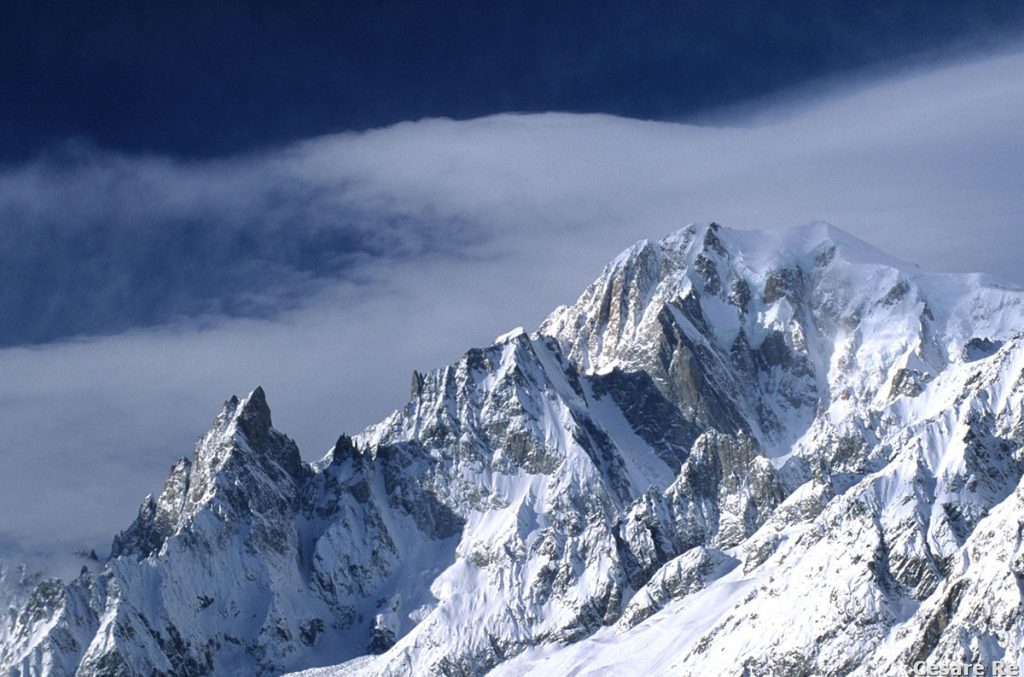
x: 927, y: 166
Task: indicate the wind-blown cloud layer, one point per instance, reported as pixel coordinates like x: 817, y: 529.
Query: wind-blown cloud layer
x: 139, y: 292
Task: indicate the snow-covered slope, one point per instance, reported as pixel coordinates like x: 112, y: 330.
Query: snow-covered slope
x: 765, y: 453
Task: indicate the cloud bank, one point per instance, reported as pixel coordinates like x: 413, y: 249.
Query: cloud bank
x: 140, y: 292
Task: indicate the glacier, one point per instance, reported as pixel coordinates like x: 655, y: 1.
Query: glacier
x: 737, y: 453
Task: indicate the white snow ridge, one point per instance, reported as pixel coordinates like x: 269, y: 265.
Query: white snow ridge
x: 738, y: 453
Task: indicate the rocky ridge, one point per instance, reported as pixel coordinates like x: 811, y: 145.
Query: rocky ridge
x: 771, y: 453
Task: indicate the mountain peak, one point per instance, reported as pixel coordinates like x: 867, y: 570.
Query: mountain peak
x: 724, y: 422
x: 254, y: 410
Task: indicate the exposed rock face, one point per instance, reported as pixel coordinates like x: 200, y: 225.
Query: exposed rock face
x: 767, y: 453
x: 679, y: 577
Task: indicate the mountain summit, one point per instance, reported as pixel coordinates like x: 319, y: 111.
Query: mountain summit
x: 760, y: 453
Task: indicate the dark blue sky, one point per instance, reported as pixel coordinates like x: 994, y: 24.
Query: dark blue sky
x: 84, y: 85
x: 207, y: 78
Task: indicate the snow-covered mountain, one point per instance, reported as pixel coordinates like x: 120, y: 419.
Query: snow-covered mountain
x: 757, y: 453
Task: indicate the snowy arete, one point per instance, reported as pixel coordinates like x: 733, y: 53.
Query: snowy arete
x: 738, y: 453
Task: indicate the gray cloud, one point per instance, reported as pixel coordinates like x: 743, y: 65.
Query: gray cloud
x: 98, y: 243
x: 328, y: 270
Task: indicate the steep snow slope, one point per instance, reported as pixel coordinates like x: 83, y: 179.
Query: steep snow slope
x: 920, y: 560
x: 780, y: 453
